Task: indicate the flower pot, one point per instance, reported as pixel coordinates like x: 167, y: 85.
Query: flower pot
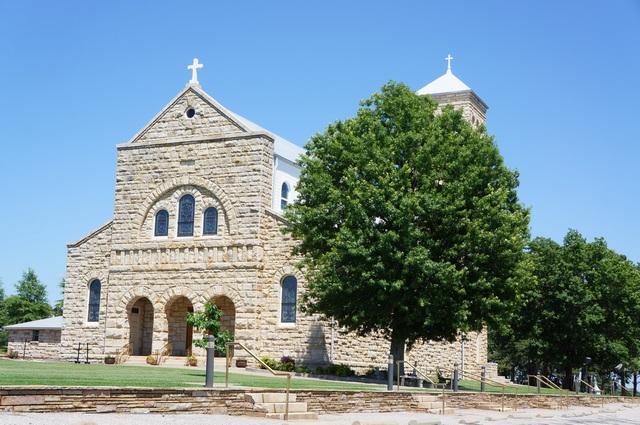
x: 109, y: 360
x: 241, y: 363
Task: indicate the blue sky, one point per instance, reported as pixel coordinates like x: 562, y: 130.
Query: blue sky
x: 561, y: 80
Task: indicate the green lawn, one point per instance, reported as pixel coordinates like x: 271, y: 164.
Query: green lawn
x: 70, y: 374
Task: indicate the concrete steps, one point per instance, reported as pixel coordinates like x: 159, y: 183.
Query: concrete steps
x: 432, y: 404
x: 274, y: 405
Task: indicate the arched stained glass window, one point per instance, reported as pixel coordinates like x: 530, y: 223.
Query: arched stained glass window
x: 284, y: 196
x: 186, y: 211
x: 162, y: 223
x: 289, y: 299
x: 210, y: 222
x: 94, y: 301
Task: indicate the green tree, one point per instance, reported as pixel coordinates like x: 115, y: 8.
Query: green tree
x: 29, y: 303
x: 408, y: 221
x: 208, y: 321
x: 30, y: 288
x: 584, y: 301
x: 58, y: 308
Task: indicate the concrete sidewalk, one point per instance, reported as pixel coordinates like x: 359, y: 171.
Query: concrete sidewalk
x: 617, y: 414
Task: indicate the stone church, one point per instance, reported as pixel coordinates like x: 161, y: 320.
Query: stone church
x: 197, y: 217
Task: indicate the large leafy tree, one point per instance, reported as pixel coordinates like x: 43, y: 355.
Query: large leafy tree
x: 30, y: 301
x: 408, y: 221
x: 583, y: 301
x: 58, y: 307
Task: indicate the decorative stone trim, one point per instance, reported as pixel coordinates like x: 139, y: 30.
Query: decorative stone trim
x: 225, y: 200
x: 170, y: 294
x: 223, y: 257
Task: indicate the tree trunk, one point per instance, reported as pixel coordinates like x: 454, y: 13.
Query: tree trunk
x: 635, y: 383
x: 397, y: 351
x: 567, y: 382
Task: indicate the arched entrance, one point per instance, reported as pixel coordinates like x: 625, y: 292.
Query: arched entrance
x: 140, y: 316
x: 228, y: 319
x: 180, y: 334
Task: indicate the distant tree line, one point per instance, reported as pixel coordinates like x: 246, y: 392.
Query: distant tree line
x: 579, y: 306
x: 29, y: 303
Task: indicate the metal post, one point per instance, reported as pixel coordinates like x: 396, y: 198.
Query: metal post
x: 78, y: 356
x: 538, y: 382
x: 454, y: 383
x: 483, y: 375
x: 390, y: 373
x: 87, y: 359
x: 211, y: 347
x: 226, y: 366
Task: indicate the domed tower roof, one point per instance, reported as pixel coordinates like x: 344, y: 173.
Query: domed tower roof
x: 450, y: 90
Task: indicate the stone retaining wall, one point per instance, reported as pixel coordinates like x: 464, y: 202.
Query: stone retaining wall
x: 232, y: 401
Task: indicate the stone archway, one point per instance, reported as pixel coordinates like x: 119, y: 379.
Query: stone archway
x: 228, y: 320
x: 180, y: 335
x: 140, y: 315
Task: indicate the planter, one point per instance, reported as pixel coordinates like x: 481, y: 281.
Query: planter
x: 109, y: 360
x: 241, y: 363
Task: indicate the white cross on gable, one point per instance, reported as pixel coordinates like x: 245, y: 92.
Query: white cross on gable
x: 194, y: 67
x: 449, y: 58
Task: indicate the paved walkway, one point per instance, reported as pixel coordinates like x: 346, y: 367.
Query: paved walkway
x: 612, y: 414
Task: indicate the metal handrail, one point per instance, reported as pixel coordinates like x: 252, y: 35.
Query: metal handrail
x: 288, y: 375
x: 398, y: 362
x: 479, y: 378
x: 163, y: 352
x: 546, y: 381
x: 124, y: 353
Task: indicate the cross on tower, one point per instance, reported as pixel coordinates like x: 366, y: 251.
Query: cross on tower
x: 194, y: 67
x: 449, y: 58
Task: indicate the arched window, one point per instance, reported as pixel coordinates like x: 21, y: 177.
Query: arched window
x: 185, y: 215
x: 289, y: 296
x: 210, y: 222
x: 284, y: 196
x: 162, y: 223
x: 94, y: 301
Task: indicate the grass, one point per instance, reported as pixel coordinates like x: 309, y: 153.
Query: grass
x: 70, y: 374
x: 97, y: 375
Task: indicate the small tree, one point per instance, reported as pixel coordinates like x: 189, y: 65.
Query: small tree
x: 30, y: 288
x: 208, y: 321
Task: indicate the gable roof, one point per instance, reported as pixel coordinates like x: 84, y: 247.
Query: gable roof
x: 282, y: 147
x: 48, y: 323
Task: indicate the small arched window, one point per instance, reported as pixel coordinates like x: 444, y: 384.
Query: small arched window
x: 93, y: 312
x: 284, y: 196
x: 186, y: 211
x: 162, y: 223
x: 289, y: 298
x: 210, y: 222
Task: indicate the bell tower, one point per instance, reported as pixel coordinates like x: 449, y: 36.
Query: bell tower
x: 450, y: 90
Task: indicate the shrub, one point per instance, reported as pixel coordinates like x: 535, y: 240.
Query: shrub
x: 269, y: 362
x: 152, y: 360
x: 336, y: 370
x: 192, y: 361
x: 13, y: 354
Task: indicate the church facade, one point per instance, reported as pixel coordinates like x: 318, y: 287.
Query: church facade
x: 198, y: 204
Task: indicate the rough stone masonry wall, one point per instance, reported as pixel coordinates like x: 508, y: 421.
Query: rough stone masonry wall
x: 313, y: 341
x: 47, y: 346
x: 233, y: 402
x: 86, y: 261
